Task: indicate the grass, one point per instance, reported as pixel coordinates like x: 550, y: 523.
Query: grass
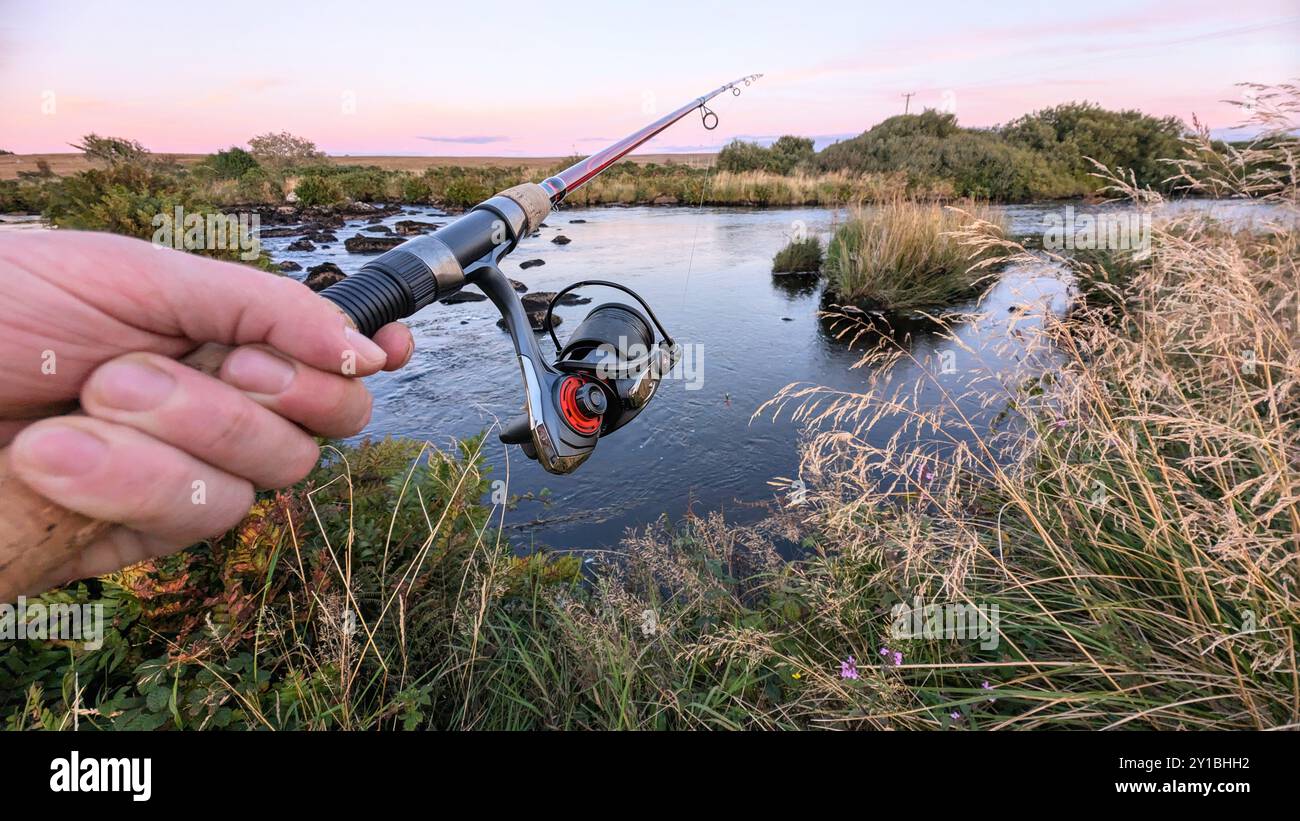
x: 799, y: 256
x: 1139, y: 529
x: 906, y: 255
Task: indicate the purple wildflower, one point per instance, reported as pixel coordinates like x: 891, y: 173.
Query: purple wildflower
x: 955, y: 715
x: 884, y: 651
x: 988, y: 686
x: 898, y: 658
x: 849, y: 668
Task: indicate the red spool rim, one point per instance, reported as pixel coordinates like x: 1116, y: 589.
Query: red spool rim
x: 574, y: 416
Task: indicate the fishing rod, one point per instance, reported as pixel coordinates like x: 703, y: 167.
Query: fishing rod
x: 610, y: 367
x: 600, y: 379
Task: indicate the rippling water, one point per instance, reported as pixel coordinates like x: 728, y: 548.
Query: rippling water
x: 706, y: 272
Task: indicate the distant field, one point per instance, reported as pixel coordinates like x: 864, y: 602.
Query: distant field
x: 64, y: 164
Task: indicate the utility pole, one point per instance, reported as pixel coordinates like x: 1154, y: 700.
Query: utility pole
x: 908, y: 104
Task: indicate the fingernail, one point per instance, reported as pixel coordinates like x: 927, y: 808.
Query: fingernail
x: 256, y: 371
x: 365, y: 347
x: 132, y: 385
x: 60, y: 451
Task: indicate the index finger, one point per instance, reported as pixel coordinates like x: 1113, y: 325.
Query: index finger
x: 183, y: 295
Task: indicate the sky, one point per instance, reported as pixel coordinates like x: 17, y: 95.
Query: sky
x: 529, y: 79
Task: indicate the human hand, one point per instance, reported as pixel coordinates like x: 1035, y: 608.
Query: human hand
x: 102, y: 318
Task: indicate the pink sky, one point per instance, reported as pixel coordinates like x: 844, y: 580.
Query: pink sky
x: 520, y: 79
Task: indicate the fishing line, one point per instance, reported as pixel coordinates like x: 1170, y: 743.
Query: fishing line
x: 699, y: 219
x: 705, y: 114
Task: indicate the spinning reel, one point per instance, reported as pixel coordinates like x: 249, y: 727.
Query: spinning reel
x: 600, y: 380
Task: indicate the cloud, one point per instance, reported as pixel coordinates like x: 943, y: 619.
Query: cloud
x: 471, y: 140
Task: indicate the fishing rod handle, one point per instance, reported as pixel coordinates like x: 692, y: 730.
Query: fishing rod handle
x: 428, y: 268
x: 37, y: 536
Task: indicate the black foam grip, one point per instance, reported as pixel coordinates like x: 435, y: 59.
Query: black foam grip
x: 372, y: 298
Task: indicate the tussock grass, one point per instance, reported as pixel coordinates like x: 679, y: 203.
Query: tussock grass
x: 907, y: 255
x: 799, y: 256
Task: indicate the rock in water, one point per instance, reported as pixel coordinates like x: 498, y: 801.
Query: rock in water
x: 561, y: 239
x: 463, y: 296
x: 378, y: 229
x: 538, y: 300
x: 518, y: 286
x: 536, y: 319
x: 531, y: 263
x: 371, y: 245
x: 301, y: 245
x: 408, y: 227
x: 320, y: 277
x: 290, y: 265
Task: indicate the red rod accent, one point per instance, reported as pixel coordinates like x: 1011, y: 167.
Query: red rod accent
x: 573, y: 177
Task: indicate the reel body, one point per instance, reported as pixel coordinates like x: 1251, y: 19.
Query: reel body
x: 600, y: 380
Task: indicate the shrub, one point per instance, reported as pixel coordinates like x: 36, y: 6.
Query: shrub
x: 111, y: 150
x: 364, y: 184
x: 231, y: 164
x: 315, y: 189
x: 784, y: 156
x: 416, y: 190
x: 284, y: 150
x: 1068, y: 135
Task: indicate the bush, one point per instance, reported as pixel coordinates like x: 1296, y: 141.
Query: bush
x: 111, y: 150
x: 784, y: 156
x: 284, y: 150
x: 231, y: 164
x: 315, y: 189
x: 364, y: 184
x: 1068, y: 135
x: 416, y: 190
